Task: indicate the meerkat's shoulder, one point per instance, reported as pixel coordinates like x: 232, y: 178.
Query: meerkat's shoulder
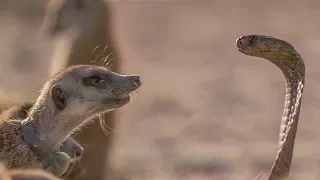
x: 18, y: 111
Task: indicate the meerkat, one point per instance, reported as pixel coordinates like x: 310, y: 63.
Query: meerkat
x: 82, y: 35
x: 67, y: 101
x: 69, y: 146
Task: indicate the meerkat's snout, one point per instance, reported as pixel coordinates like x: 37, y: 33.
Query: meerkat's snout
x: 136, y: 80
x: 123, y: 85
x: 129, y: 84
x: 102, y: 89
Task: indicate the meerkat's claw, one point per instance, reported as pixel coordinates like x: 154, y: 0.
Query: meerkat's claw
x: 57, y: 163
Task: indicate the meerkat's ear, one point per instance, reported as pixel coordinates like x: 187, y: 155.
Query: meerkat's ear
x: 58, y: 97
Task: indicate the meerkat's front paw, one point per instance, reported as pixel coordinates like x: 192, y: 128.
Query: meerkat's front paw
x: 57, y: 163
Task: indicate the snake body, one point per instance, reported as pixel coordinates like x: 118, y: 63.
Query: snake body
x: 285, y: 57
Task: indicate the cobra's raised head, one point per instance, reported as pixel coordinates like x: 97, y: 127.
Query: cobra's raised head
x: 264, y: 46
x: 278, y: 51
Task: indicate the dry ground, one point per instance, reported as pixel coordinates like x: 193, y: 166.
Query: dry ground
x: 204, y: 110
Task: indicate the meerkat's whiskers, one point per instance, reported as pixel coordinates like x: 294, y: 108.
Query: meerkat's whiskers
x: 96, y: 56
x: 104, y: 126
x: 108, y: 59
x: 109, y: 64
x: 105, y: 49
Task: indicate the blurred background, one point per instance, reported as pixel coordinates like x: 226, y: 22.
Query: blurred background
x: 204, y: 111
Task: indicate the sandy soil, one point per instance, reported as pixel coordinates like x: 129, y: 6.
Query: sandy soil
x: 204, y: 110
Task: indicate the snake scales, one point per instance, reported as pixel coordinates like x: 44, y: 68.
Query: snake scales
x: 288, y: 60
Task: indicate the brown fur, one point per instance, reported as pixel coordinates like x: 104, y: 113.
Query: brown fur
x: 82, y: 33
x: 80, y: 101
x: 19, y: 111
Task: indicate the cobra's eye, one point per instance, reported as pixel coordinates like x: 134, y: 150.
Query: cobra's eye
x: 252, y: 39
x: 96, y: 80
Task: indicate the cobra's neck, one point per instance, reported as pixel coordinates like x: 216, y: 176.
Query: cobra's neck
x: 289, y: 124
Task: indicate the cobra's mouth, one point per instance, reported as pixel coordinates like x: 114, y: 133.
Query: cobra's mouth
x: 244, y: 51
x: 239, y: 49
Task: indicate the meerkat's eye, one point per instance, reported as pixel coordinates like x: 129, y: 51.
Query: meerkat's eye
x: 96, y: 80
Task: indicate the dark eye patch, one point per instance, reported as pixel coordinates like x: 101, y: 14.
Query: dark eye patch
x: 98, y: 81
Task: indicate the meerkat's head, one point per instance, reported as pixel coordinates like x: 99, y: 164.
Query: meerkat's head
x: 62, y: 15
x: 84, y: 91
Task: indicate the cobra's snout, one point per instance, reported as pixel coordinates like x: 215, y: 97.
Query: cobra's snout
x: 239, y: 41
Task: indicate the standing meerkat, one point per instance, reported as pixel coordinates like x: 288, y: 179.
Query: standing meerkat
x: 82, y: 34
x: 68, y: 100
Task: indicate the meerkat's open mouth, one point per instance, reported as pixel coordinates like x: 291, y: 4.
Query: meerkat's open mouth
x: 122, y: 99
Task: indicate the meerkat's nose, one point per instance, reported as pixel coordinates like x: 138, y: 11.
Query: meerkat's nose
x: 136, y: 80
